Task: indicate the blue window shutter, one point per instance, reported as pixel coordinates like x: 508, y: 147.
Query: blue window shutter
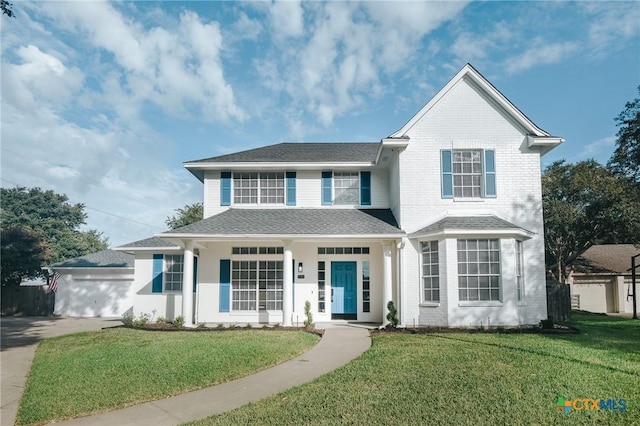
x: 365, y: 188
x: 489, y: 173
x: 225, y: 284
x: 447, y: 173
x: 225, y: 188
x: 291, y: 188
x: 195, y: 274
x: 327, y: 181
x: 156, y: 282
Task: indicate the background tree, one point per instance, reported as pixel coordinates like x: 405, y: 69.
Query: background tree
x: 187, y: 215
x: 585, y: 204
x: 626, y: 158
x: 7, y: 8
x: 51, y: 218
x: 22, y: 254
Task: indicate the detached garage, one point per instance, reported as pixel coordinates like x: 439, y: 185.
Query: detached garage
x: 96, y: 285
x: 601, y: 280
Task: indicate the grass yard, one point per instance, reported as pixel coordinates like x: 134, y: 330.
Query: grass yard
x: 469, y: 379
x: 87, y: 373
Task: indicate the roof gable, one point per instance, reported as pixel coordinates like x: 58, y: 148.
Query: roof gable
x: 537, y: 136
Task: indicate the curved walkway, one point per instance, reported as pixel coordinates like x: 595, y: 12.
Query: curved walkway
x: 340, y: 344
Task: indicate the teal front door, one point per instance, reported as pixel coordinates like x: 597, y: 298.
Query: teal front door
x: 344, y: 283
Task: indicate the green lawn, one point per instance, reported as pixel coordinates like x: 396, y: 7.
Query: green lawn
x: 469, y: 379
x: 86, y: 373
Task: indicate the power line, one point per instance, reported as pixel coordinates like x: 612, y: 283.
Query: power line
x: 98, y: 210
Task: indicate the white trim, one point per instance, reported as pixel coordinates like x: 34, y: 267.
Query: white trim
x: 265, y: 237
x: 155, y: 249
x: 468, y: 233
x: 252, y: 166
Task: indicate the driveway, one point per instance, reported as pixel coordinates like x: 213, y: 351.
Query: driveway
x: 20, y: 337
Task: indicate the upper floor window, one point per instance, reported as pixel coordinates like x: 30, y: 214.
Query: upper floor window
x: 468, y: 173
x: 258, y: 188
x: 346, y: 188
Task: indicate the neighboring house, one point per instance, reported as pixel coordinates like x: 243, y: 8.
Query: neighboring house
x: 443, y: 217
x: 601, y: 279
x: 96, y: 285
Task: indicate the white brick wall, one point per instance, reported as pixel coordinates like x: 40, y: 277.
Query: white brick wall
x: 465, y: 119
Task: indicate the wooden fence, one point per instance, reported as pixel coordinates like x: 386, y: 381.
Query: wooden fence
x: 28, y: 300
x: 558, y: 301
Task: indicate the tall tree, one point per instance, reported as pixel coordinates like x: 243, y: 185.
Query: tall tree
x: 585, y: 204
x: 22, y: 254
x: 49, y: 215
x: 189, y: 214
x: 626, y: 158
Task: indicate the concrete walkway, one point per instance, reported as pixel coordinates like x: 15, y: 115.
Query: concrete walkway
x: 20, y: 338
x: 340, y: 344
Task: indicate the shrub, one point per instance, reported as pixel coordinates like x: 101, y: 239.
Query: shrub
x: 162, y: 320
x: 178, y: 321
x: 392, y: 316
x: 546, y: 324
x: 202, y: 325
x: 308, y: 322
x: 142, y: 320
x: 127, y: 319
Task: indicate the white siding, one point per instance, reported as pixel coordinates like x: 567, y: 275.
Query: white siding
x: 212, y: 194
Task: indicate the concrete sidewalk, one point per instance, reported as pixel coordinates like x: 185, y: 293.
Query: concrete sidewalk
x: 340, y: 344
x: 20, y: 338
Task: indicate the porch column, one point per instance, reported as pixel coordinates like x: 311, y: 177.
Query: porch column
x: 287, y: 285
x: 187, y: 285
x: 387, y: 279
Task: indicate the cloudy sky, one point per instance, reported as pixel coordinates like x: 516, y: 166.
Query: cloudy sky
x: 105, y: 101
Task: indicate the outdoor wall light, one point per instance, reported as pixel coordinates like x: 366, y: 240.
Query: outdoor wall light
x: 300, y: 267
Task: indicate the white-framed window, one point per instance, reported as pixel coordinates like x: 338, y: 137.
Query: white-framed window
x: 346, y: 188
x: 479, y: 270
x: 173, y: 269
x: 519, y: 271
x: 258, y: 188
x: 256, y: 285
x: 467, y: 173
x: 366, y: 286
x: 430, y: 272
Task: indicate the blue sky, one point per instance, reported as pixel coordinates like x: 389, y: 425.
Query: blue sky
x: 105, y: 101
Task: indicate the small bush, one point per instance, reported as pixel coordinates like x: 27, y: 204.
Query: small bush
x: 142, y: 320
x: 248, y: 325
x: 392, y: 316
x: 202, y: 325
x: 546, y: 324
x: 162, y: 320
x: 179, y: 321
x: 308, y: 322
x: 220, y: 325
x: 127, y: 319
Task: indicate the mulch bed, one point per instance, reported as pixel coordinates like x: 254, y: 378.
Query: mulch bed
x: 170, y: 327
x: 557, y: 329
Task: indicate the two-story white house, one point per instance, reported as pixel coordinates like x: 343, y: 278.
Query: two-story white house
x: 443, y: 217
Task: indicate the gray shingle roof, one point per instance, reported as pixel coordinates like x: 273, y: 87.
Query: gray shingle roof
x: 297, y: 221
x: 101, y: 259
x: 302, y: 153
x: 605, y: 258
x: 152, y: 242
x: 471, y: 223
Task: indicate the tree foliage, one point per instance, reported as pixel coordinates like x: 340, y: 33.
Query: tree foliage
x: 43, y: 219
x: 7, y: 8
x: 586, y: 204
x: 626, y: 157
x: 187, y: 215
x: 21, y: 255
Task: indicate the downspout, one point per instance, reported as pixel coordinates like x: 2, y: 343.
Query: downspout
x: 399, y: 292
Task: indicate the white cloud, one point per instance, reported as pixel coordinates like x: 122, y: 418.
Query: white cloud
x: 600, y: 150
x: 286, y: 19
x: 541, y: 54
x: 611, y: 25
